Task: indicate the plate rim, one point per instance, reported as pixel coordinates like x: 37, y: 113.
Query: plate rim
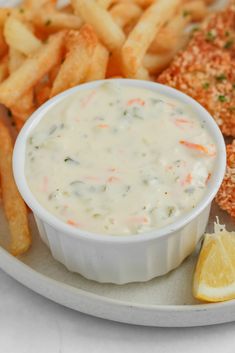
x: 12, y: 266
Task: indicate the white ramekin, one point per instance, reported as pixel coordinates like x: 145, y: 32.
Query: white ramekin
x: 121, y: 259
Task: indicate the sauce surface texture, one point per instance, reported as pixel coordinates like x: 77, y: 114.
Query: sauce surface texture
x: 119, y: 160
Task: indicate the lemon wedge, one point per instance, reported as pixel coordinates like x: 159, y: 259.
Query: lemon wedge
x: 214, y: 277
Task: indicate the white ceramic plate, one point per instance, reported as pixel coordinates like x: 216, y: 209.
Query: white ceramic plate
x: 165, y: 301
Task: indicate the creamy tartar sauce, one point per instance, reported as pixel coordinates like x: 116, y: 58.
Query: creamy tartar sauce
x: 119, y: 160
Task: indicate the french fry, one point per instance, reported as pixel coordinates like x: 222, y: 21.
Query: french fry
x: 52, y: 21
x: 66, y: 9
x: 155, y: 63
x: 196, y: 10
x: 114, y: 67
x: 34, y: 6
x: 20, y: 13
x: 3, y: 44
x: 16, y: 59
x: 143, y: 34
x: 32, y: 70
x: 101, y: 20
x: 99, y: 62
x: 18, y: 36
x: 42, y: 92
x: 144, y: 3
x: 14, y: 207
x: 53, y: 73
x: 18, y: 122
x: 4, y: 68
x: 125, y: 13
x: 5, y: 12
x: 104, y: 3
x: 75, y: 67
x: 141, y: 3
x: 209, y: 2
x: 169, y: 34
x: 23, y: 107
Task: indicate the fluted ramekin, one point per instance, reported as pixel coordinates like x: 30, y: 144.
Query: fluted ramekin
x: 121, y: 259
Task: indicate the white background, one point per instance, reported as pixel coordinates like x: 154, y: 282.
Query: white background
x: 30, y: 323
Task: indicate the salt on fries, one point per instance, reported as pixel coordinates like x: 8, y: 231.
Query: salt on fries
x: 14, y: 207
x: 45, y: 49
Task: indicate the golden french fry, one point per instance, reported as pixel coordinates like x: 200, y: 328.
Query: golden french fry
x: 4, y: 68
x: 35, y: 5
x: 52, y: 21
x: 143, y: 34
x: 169, y: 34
x: 114, y: 67
x: 104, y: 3
x: 22, y: 13
x: 24, y: 107
x: 209, y: 2
x: 66, y: 8
x: 18, y: 36
x: 53, y: 73
x: 75, y: 67
x: 155, y: 63
x: 16, y: 59
x: 144, y: 3
x: 18, y: 122
x: 124, y: 13
x: 196, y: 10
x: 99, y: 62
x: 101, y: 20
x: 5, y: 12
x: 42, y: 92
x: 32, y: 70
x: 141, y: 3
x: 3, y: 44
x: 14, y: 207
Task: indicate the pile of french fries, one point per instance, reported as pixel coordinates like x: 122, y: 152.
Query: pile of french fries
x: 46, y: 49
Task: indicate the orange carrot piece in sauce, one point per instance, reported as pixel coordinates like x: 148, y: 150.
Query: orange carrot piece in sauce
x: 103, y: 126
x: 180, y: 122
x: 183, y: 121
x: 187, y: 180
x: 112, y: 179
x: 136, y: 101
x: 197, y: 147
x: 139, y: 220
x: 72, y: 223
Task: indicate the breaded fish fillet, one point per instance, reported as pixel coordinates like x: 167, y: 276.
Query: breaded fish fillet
x: 226, y: 195
x: 206, y: 69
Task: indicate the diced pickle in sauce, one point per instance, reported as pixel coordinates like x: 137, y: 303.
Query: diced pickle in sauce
x: 119, y: 160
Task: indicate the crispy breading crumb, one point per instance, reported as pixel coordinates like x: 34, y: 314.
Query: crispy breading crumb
x: 226, y: 195
x: 206, y: 69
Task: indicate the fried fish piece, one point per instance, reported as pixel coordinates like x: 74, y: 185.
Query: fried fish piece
x: 226, y: 194
x: 205, y: 70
